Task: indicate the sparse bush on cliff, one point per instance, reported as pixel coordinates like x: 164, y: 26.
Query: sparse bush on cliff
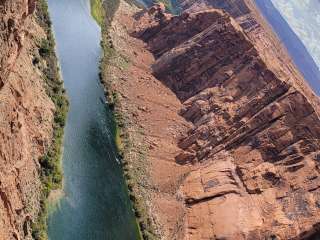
x: 42, y: 14
x: 167, y: 4
x: 44, y: 49
x: 110, y: 8
x: 50, y: 172
x: 103, y: 11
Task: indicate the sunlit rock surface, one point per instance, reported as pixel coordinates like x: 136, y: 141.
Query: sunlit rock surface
x: 254, y: 140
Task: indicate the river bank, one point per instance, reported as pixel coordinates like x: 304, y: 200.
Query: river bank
x: 95, y: 203
x: 51, y: 172
x: 96, y: 9
x: 135, y: 172
x: 33, y: 111
x: 140, y: 102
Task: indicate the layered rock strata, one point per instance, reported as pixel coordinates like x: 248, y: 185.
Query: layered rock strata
x: 26, y: 117
x: 260, y: 33
x: 253, y: 145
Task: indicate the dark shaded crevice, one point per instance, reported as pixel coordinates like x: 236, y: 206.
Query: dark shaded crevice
x: 191, y: 201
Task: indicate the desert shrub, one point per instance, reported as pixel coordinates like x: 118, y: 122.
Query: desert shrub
x: 50, y: 171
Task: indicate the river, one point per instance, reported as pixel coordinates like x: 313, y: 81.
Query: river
x: 95, y: 204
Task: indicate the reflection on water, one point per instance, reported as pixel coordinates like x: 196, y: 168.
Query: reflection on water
x: 95, y: 205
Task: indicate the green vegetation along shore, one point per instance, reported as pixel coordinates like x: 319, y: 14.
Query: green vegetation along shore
x: 50, y: 172
x: 132, y: 153
x: 97, y: 11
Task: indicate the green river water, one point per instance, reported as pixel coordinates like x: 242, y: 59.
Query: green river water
x: 95, y: 204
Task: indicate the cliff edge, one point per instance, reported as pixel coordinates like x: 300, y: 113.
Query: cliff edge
x: 27, y: 115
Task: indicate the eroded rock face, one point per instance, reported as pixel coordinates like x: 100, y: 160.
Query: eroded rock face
x: 261, y: 35
x: 238, y: 9
x: 254, y: 141
x: 25, y: 119
x: 13, y: 15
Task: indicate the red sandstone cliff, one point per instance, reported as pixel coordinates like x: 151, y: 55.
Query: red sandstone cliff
x: 243, y: 163
x: 26, y: 117
x: 270, y: 48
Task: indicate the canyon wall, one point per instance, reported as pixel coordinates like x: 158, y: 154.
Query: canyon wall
x: 260, y: 33
x: 231, y: 128
x: 26, y: 117
x: 254, y: 140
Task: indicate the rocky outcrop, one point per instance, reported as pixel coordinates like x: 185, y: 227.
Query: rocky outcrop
x: 13, y: 16
x: 238, y: 9
x: 26, y: 117
x: 270, y: 48
x: 253, y: 145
